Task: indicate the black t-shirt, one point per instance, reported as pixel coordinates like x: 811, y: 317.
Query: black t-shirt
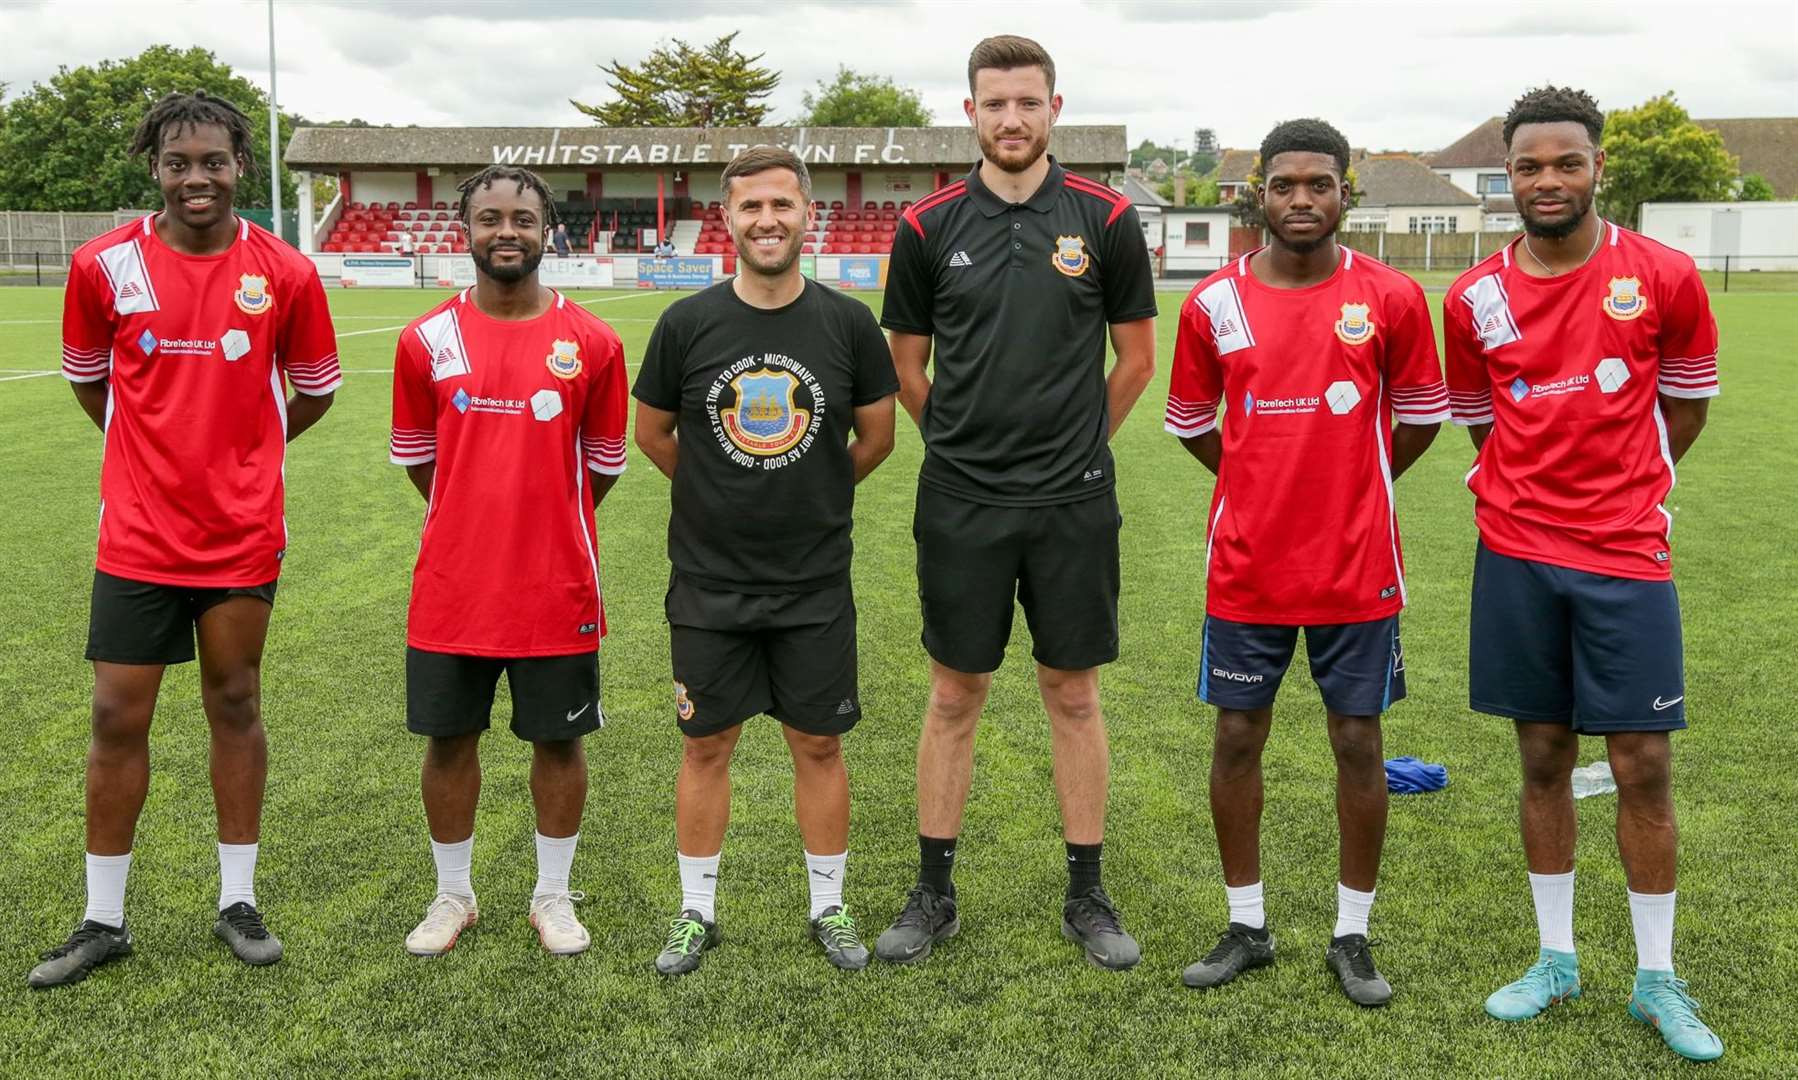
x: 764, y: 492
x: 1018, y: 297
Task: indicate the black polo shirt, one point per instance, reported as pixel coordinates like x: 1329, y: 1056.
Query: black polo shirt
x: 1018, y: 297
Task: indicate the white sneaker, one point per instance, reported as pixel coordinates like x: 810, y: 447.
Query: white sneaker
x: 443, y: 923
x: 553, y: 916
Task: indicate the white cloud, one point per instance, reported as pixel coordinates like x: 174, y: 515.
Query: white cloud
x: 1411, y: 75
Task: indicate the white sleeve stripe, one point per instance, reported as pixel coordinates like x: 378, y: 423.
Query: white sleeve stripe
x: 318, y: 390
x: 606, y: 468
x: 1470, y: 419
x: 71, y: 350
x: 412, y: 442
x: 1689, y: 379
x: 83, y: 377
x: 1189, y: 431
x: 321, y: 363
x: 85, y: 366
x: 411, y: 459
x: 1690, y: 392
x: 1710, y: 358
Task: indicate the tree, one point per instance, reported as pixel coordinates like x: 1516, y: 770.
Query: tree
x: 680, y: 86
x: 1655, y: 153
x: 1755, y: 188
x: 1199, y: 191
x: 1148, y: 151
x: 62, y: 144
x: 856, y: 100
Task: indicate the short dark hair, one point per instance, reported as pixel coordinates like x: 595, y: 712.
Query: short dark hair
x: 762, y: 158
x: 1305, y: 136
x: 178, y: 112
x: 1007, y: 51
x: 1555, y: 105
x: 494, y: 174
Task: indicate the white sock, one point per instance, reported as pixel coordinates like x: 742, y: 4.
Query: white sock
x: 1246, y: 905
x: 237, y: 875
x: 1351, y: 910
x: 699, y: 884
x: 555, y: 859
x: 1652, y: 916
x: 824, y: 875
x: 106, y: 888
x: 1554, y: 909
x: 452, y: 867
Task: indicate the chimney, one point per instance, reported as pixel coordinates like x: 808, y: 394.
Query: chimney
x: 1180, y: 190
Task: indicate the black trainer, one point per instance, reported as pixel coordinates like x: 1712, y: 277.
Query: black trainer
x: 1349, y: 957
x: 92, y: 944
x: 835, y: 931
x: 1240, y: 949
x: 1090, y: 921
x: 929, y: 917
x: 240, y: 926
x: 690, y: 936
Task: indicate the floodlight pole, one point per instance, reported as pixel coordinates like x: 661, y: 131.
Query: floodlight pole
x: 274, y: 132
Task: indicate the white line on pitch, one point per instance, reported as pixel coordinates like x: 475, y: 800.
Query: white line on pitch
x: 598, y: 300
x: 33, y: 375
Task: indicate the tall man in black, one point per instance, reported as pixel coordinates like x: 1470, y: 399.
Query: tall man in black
x: 1016, y: 273
x: 746, y: 401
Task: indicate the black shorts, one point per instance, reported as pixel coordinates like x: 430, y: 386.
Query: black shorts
x: 554, y: 698
x: 1554, y: 645
x: 737, y: 655
x: 140, y: 622
x: 1060, y: 562
x: 1359, y: 668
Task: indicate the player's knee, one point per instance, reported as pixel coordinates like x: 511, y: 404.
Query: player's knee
x: 1645, y: 771
x: 1073, y: 708
x: 1356, y: 743
x: 710, y: 752
x: 815, y: 751
x: 235, y: 702
x: 119, y: 723
x: 955, y: 703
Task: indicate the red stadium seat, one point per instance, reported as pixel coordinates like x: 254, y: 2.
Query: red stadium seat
x: 852, y: 215
x: 836, y: 204
x: 906, y: 205
x: 806, y: 249
x: 357, y: 206
x: 889, y: 215
x: 888, y: 205
x: 411, y: 206
x: 332, y: 247
x: 864, y: 249
x: 870, y: 205
x: 442, y: 215
x: 393, y: 206
x: 442, y: 205
x: 730, y: 263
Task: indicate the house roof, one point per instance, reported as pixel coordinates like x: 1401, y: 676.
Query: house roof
x: 1403, y: 180
x: 1140, y: 193
x: 1234, y: 167
x: 1767, y: 145
x: 1483, y: 146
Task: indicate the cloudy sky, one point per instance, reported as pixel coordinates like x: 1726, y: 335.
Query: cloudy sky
x: 1391, y: 75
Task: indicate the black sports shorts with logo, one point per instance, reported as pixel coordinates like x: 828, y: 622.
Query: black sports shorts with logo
x: 554, y: 698
x: 1059, y: 561
x: 141, y: 622
x: 737, y: 655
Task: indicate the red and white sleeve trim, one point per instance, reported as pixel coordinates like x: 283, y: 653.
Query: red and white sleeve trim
x: 316, y: 377
x: 1470, y: 407
x: 85, y: 365
x: 1694, y: 378
x: 1189, y: 418
x: 604, y: 455
x: 412, y: 446
x: 1420, y: 404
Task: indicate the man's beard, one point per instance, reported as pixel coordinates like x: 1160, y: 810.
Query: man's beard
x: 510, y: 274
x: 989, y: 149
x: 788, y: 253
x: 1557, y: 230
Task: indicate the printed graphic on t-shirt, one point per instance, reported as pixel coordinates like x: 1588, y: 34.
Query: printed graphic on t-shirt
x: 775, y: 413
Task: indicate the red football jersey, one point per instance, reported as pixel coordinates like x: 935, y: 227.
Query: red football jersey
x: 1302, y: 526
x: 194, y: 348
x: 1566, y: 370
x: 514, y: 414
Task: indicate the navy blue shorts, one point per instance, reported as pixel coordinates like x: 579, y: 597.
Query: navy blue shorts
x: 1359, y: 667
x: 1558, y: 646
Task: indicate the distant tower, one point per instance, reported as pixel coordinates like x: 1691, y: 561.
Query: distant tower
x: 1204, y: 141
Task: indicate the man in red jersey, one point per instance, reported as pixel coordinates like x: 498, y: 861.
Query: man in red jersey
x: 1582, y: 359
x: 178, y: 330
x: 1313, y: 351
x: 508, y: 413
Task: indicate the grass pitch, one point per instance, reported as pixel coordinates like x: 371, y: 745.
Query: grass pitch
x: 346, y: 869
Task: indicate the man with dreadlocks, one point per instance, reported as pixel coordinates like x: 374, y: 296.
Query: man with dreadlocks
x: 1582, y: 359
x: 508, y: 413
x: 1324, y: 364
x: 180, y: 331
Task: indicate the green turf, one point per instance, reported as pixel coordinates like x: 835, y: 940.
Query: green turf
x: 346, y: 869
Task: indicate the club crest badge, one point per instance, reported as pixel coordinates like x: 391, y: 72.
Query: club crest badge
x: 252, y: 295
x: 765, y: 420
x: 1356, y: 326
x: 1625, y: 301
x: 1070, y: 255
x: 564, y: 359
x: 683, y: 705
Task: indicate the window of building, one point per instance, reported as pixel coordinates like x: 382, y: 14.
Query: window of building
x: 1493, y: 184
x: 1198, y: 233
x: 1433, y: 223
